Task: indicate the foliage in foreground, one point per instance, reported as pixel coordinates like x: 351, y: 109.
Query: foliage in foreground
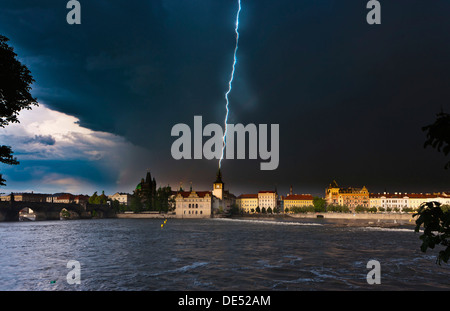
x: 436, y: 223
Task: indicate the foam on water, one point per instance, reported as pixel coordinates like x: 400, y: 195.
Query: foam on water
x: 387, y: 229
x: 270, y: 222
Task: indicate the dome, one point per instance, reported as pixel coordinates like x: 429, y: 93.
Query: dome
x: 139, y: 186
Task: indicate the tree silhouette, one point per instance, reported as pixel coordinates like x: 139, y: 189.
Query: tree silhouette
x: 15, y: 87
x: 435, y: 221
x: 438, y: 134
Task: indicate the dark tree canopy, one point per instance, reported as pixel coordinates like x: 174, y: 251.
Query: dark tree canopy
x: 436, y: 223
x: 15, y: 87
x: 438, y: 134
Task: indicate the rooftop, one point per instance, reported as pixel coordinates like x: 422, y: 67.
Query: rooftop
x: 299, y: 197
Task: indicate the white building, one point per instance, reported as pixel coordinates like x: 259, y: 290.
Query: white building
x: 405, y: 200
x: 123, y: 198
x: 267, y: 199
x: 391, y: 201
x: 416, y: 199
x: 192, y: 204
x: 203, y: 204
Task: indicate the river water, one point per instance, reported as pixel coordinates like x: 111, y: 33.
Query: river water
x: 213, y: 254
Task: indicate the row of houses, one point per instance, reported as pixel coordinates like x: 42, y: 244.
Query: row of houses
x: 350, y: 197
x: 45, y: 198
x: 353, y: 197
x: 406, y: 200
x: 249, y: 203
x: 199, y: 204
x: 123, y: 198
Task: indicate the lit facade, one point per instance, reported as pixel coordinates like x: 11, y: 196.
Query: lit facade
x: 267, y: 199
x: 204, y: 204
x: 297, y: 200
x: 192, y: 204
x: 123, y: 198
x: 397, y: 201
x: 348, y: 196
x: 247, y: 202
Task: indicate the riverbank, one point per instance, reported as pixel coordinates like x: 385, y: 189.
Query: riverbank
x: 145, y: 215
x: 343, y: 219
x: 335, y: 219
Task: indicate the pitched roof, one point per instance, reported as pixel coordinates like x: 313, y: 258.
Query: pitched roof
x: 201, y: 194
x: 402, y: 195
x: 248, y: 196
x: 299, y: 197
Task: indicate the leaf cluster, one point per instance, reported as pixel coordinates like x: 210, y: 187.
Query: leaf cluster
x: 15, y: 88
x: 436, y: 224
x: 438, y: 134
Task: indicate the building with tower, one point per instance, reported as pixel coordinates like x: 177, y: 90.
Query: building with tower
x: 204, y: 204
x: 347, y: 196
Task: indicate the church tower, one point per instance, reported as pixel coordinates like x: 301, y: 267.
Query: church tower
x: 218, y: 186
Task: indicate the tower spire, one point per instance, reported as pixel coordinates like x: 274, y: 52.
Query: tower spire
x: 219, y: 177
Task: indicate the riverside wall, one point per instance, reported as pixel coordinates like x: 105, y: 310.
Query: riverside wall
x: 344, y: 216
x: 357, y: 216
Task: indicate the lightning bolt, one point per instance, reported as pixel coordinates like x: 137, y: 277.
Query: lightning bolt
x: 230, y: 82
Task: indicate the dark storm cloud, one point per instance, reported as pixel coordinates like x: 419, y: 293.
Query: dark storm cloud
x: 42, y: 139
x: 350, y: 98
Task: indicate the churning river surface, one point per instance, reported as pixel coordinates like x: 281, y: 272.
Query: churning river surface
x: 213, y: 254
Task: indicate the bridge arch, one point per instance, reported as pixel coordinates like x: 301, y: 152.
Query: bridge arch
x: 9, y: 210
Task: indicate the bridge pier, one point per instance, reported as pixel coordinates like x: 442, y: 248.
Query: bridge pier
x: 8, y: 215
x: 47, y: 215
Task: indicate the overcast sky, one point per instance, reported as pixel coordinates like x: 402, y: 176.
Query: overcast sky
x: 350, y: 98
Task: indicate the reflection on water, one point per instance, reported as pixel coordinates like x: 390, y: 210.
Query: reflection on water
x: 213, y: 254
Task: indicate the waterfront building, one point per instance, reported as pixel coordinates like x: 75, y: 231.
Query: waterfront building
x: 247, y: 202
x: 201, y: 204
x: 347, y: 196
x: 393, y: 201
x: 67, y: 198
x: 192, y: 204
x: 443, y: 198
x: 123, y: 198
x: 298, y: 200
x: 64, y: 198
x: 416, y: 199
x: 375, y: 200
x: 81, y: 199
x: 25, y: 197
x: 267, y: 199
x: 400, y: 200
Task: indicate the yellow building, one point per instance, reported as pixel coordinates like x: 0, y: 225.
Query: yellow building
x: 267, y: 199
x: 348, y: 196
x: 297, y: 200
x: 247, y: 202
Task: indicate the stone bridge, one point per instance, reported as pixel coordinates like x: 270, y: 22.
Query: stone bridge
x: 9, y: 210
